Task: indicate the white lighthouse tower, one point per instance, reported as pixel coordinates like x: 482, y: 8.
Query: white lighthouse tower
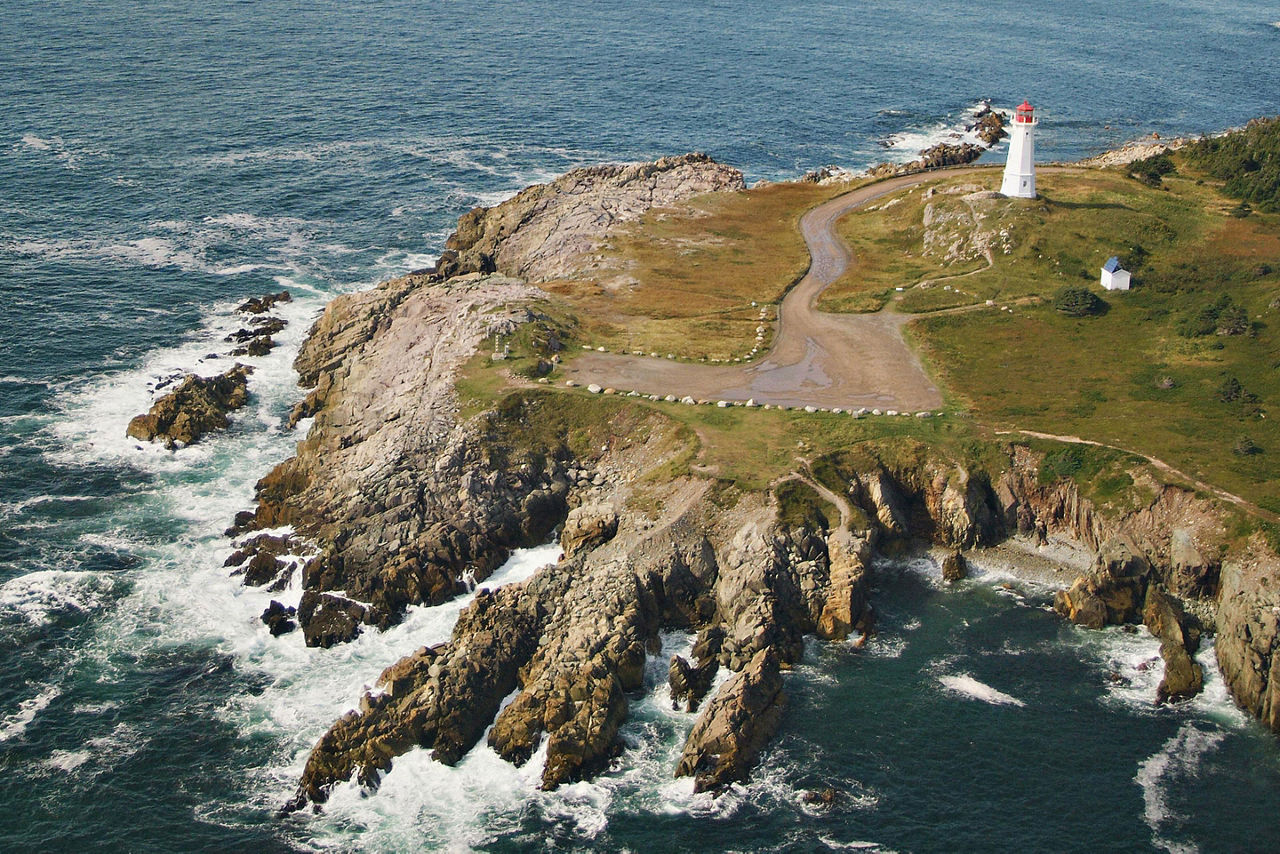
x: 1020, y: 170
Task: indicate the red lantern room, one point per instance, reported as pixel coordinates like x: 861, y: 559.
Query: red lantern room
x: 1025, y: 114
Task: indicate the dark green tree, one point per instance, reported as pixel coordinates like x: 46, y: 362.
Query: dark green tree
x: 1077, y: 301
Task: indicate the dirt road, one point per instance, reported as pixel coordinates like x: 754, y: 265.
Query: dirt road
x: 818, y: 359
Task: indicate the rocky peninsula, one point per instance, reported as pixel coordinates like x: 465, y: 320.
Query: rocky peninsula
x: 402, y: 497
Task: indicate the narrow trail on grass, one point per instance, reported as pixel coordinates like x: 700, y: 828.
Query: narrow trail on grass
x: 1159, y: 464
x: 817, y: 359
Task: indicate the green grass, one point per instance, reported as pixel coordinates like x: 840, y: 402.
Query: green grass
x: 1131, y: 377
x: 1083, y: 217
x: 1128, y: 377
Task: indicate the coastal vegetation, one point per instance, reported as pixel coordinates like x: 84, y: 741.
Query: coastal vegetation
x: 690, y: 279
x: 1179, y: 369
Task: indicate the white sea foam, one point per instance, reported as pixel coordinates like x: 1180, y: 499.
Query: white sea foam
x: 423, y: 804
x: 14, y: 724
x: 1133, y: 664
x: 906, y: 145
x: 35, y: 143
x: 1179, y: 761
x: 68, y: 152
x: 67, y: 761
x: 96, y: 414
x: 38, y: 597
x: 966, y: 686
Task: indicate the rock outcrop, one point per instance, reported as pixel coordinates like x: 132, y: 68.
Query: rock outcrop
x: 740, y: 720
x: 263, y: 304
x: 548, y: 231
x: 988, y: 126
x: 404, y: 504
x: 197, y: 406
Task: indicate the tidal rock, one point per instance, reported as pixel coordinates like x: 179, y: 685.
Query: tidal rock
x: 1111, y: 593
x: 279, y: 619
x: 821, y: 797
x: 689, y: 684
x: 329, y: 619
x: 1179, y: 640
x: 258, y: 326
x: 258, y: 559
x: 588, y: 526
x: 735, y: 725
x: 258, y: 305
x: 954, y: 567
x: 196, y: 406
x: 260, y: 346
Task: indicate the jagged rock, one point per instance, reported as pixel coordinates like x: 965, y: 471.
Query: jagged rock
x: 258, y: 326
x: 689, y: 684
x: 1179, y: 640
x: 964, y: 514
x: 258, y: 305
x: 1192, y: 573
x: 886, y: 502
x: 821, y: 797
x: 735, y: 725
x: 328, y: 619
x: 954, y: 567
x: 195, y: 407
x: 260, y: 346
x: 1248, y: 639
x: 989, y: 126
x: 845, y: 608
x: 279, y: 619
x: 258, y: 558
x: 587, y: 527
x: 948, y: 154
x: 546, y: 231
x: 243, y: 521
x: 1113, y: 591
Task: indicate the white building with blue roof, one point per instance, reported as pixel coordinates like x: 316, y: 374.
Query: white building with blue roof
x: 1114, y: 277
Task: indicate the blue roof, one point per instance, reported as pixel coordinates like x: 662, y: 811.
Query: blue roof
x: 1112, y: 265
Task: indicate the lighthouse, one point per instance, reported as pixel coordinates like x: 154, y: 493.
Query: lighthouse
x: 1020, y: 170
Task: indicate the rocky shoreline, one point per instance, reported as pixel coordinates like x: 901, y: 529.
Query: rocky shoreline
x: 399, y: 500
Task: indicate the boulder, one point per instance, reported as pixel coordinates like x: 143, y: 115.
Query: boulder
x: 329, y: 619
x: 1111, y: 593
x: 587, y: 527
x: 196, y: 406
x: 1179, y: 639
x: 279, y: 619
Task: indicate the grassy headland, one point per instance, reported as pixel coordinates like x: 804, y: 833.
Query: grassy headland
x: 1182, y: 368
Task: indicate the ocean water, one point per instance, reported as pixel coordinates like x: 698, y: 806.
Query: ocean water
x: 159, y: 162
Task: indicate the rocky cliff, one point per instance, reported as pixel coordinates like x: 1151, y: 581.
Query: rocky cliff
x: 402, y: 501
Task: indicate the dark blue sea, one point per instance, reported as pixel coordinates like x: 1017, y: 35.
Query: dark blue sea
x: 161, y: 161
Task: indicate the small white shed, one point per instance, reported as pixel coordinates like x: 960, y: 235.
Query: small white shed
x: 1114, y: 277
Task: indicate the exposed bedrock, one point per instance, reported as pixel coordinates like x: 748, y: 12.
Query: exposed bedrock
x: 197, y: 406
x: 548, y: 231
